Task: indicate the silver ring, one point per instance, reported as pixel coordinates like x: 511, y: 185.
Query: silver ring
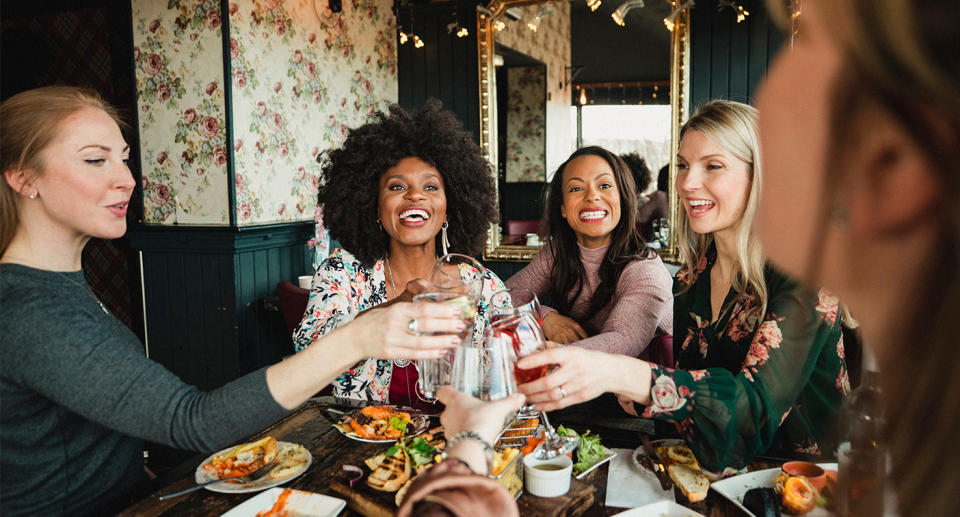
x: 563, y: 393
x: 412, y: 327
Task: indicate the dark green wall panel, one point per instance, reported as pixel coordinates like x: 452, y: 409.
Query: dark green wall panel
x: 446, y: 66
x: 729, y: 59
x: 204, y: 290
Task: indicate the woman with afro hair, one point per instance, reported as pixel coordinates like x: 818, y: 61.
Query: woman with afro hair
x: 398, y: 186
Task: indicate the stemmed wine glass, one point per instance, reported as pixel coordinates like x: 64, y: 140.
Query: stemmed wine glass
x: 457, y: 280
x: 526, y: 337
x: 509, y: 302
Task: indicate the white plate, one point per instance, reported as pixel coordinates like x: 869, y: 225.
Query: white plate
x: 661, y: 509
x: 607, y: 456
x: 419, y: 423
x: 202, y: 475
x: 733, y: 488
x: 300, y: 503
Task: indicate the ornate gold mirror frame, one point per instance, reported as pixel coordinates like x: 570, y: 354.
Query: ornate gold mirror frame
x: 679, y: 99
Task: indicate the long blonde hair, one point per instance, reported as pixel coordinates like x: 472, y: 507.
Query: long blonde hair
x: 900, y: 56
x: 28, y: 123
x: 732, y: 125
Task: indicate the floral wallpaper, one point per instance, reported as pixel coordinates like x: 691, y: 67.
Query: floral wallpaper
x: 300, y: 76
x: 526, y: 124
x: 178, y: 58
x: 551, y: 45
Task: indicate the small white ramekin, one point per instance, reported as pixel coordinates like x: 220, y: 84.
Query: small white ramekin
x: 546, y: 483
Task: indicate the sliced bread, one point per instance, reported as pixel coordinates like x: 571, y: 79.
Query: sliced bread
x: 693, y: 484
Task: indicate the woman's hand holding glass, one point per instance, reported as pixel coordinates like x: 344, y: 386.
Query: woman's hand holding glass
x: 581, y: 375
x: 407, y: 331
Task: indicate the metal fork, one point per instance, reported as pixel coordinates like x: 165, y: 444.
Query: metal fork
x: 246, y: 478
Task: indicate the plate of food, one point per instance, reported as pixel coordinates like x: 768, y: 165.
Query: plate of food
x: 681, y: 465
x: 382, y: 424
x: 292, y: 460
x: 287, y: 501
x: 773, y: 487
x: 590, y: 453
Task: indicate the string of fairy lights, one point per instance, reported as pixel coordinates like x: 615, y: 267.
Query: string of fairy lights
x: 406, y: 34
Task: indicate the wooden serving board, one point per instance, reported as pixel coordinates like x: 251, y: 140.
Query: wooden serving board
x: 370, y: 503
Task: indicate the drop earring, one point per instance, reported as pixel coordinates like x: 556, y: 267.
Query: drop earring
x: 380, y: 226
x: 444, y: 241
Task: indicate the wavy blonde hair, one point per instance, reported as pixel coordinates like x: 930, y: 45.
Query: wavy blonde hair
x: 733, y: 126
x: 28, y: 123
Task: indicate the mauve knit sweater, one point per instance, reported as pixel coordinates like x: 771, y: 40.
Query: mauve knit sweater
x: 640, y: 309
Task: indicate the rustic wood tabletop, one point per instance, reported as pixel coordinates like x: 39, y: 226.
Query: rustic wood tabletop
x: 311, y: 426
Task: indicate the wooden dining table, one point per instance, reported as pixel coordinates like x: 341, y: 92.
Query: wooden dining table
x: 311, y: 425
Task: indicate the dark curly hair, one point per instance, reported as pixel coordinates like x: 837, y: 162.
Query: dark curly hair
x: 639, y: 169
x: 626, y: 245
x: 350, y: 177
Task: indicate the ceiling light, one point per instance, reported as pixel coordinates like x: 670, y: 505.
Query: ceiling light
x: 594, y: 4
x: 403, y: 37
x: 546, y: 10
x: 621, y: 12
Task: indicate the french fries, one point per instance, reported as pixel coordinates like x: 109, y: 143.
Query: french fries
x: 503, y: 458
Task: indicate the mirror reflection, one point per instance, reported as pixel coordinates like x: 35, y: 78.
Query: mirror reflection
x: 606, y: 82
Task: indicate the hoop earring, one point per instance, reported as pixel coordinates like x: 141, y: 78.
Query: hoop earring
x: 444, y: 241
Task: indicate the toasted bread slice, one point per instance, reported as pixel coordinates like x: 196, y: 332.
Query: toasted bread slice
x: 403, y: 491
x: 680, y: 454
x: 374, y: 461
x: 391, y: 474
x: 693, y: 483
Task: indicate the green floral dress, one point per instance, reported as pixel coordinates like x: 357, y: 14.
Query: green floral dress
x: 746, y: 384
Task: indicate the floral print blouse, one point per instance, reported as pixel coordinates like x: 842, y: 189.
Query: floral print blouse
x: 342, y: 288
x: 748, y: 383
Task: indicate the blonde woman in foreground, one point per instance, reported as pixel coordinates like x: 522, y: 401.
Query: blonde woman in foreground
x: 759, y: 359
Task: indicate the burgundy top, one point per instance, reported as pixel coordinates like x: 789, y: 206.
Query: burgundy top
x: 640, y: 309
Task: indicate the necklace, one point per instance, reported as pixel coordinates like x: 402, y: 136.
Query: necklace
x: 400, y: 363
x: 390, y: 274
x: 86, y: 288
x: 89, y: 291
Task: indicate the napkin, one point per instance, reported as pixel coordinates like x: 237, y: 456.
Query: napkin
x: 627, y: 487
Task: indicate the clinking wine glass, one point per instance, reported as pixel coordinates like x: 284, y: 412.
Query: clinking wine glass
x: 526, y: 337
x: 456, y: 280
x: 509, y: 302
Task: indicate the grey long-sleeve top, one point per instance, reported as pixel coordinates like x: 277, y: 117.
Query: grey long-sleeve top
x: 77, y: 396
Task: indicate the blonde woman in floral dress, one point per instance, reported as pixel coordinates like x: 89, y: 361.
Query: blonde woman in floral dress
x: 759, y: 360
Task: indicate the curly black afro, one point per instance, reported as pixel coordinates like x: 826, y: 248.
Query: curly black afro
x: 350, y: 179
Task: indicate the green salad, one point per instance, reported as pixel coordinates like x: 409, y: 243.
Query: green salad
x: 590, y: 451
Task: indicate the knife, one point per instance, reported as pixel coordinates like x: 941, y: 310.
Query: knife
x: 665, y: 482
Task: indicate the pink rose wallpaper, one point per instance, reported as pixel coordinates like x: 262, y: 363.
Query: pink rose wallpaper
x: 300, y: 76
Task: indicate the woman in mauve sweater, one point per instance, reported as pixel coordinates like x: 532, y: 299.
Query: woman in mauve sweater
x: 603, y: 288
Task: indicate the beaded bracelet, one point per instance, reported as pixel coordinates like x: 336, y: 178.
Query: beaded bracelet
x: 470, y: 435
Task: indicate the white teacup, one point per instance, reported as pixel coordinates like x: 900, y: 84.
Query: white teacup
x: 305, y: 281
x: 547, y: 478
x: 533, y: 239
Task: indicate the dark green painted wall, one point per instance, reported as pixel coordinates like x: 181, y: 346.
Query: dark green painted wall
x: 204, y: 290
x: 728, y: 59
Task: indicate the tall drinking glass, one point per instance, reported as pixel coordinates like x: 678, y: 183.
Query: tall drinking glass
x: 456, y: 280
x: 524, y: 334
